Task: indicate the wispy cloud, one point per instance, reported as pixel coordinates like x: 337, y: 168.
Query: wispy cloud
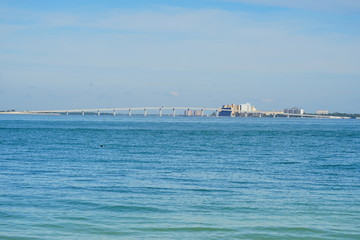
x: 197, y: 52
x: 174, y: 94
x: 318, y: 5
x: 206, y: 40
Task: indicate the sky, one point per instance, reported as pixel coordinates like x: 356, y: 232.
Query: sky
x: 274, y: 54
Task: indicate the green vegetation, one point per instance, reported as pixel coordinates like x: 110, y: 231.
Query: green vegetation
x: 11, y: 110
x: 351, y: 115
x: 337, y: 114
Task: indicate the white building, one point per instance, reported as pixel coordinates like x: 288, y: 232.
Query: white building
x: 247, y: 107
x: 322, y: 112
x: 294, y: 110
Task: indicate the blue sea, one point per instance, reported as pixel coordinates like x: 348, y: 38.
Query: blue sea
x: 106, y: 177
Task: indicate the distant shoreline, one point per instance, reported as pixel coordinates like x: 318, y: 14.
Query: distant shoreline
x: 108, y: 114
x: 28, y: 113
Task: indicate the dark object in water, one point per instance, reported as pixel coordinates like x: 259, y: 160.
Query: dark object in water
x: 102, y: 145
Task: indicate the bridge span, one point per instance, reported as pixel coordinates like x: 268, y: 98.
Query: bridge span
x: 129, y: 110
x: 188, y: 111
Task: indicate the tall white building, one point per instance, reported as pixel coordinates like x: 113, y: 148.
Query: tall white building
x: 247, y: 107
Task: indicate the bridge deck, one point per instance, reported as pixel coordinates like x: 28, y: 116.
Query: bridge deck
x: 160, y: 109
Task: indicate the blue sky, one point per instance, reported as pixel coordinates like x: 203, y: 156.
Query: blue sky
x: 87, y: 54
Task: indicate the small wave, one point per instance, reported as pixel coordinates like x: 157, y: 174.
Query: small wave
x: 125, y: 208
x: 285, y: 163
x: 292, y: 230
x: 187, y: 229
x: 339, y: 166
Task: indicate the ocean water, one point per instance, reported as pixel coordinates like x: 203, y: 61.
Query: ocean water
x: 178, y: 178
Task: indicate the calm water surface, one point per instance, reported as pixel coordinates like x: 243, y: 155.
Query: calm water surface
x: 178, y: 178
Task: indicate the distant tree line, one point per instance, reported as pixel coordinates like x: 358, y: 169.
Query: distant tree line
x: 11, y: 110
x: 337, y: 114
x: 352, y: 115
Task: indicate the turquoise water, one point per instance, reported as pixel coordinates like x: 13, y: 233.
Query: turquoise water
x: 178, y: 178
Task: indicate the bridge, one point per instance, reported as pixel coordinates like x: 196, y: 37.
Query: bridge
x: 189, y: 111
x: 129, y: 110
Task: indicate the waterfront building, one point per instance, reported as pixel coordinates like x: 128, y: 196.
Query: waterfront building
x: 294, y: 110
x: 188, y: 113
x: 247, y: 107
x: 198, y: 113
x: 322, y: 112
x: 226, y: 111
x: 232, y: 110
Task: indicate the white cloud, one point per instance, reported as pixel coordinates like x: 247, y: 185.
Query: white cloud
x: 174, y: 94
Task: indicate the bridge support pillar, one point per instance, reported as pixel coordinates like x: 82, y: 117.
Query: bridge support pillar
x: 145, y: 112
x: 174, y: 112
